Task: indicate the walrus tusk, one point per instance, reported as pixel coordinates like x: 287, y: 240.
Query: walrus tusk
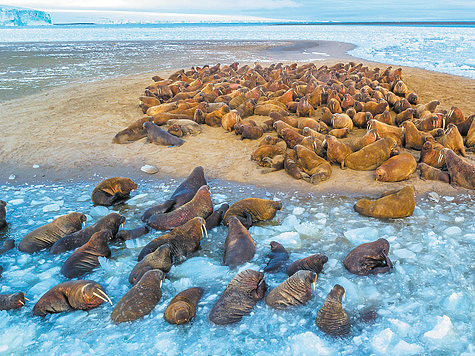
x: 314, y: 285
x: 98, y: 296
x: 388, y: 261
x: 83, y: 223
x: 122, y: 225
x: 20, y: 301
x: 161, y: 283
x: 440, y: 158
x: 104, y: 293
x: 443, y: 123
x: 26, y: 298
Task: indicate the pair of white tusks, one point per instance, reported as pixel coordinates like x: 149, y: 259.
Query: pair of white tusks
x: 441, y: 157
x: 203, y: 231
x: 102, y: 297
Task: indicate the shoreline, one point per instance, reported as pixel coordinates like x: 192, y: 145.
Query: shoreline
x: 67, y: 131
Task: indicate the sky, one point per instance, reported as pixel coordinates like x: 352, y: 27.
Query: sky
x: 302, y: 10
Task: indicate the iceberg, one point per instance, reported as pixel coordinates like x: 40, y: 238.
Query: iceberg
x: 17, y: 16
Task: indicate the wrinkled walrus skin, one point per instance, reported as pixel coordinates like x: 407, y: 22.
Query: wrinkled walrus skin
x: 239, y: 297
x: 45, y: 236
x: 3, y: 214
x: 71, y: 295
x: 295, y: 290
x: 311, y: 263
x: 141, y: 299
x: 182, y: 195
x: 182, y: 308
x: 200, y: 206
x: 254, y: 209
x: 431, y: 173
x: 70, y: 242
x: 371, y: 156
x: 132, y: 234
x: 332, y: 318
x: 369, y: 258
x: 397, y: 205
x: 278, y: 256
x: 396, y: 168
x: 7, y: 245
x: 239, y: 246
x: 12, y: 301
x: 159, y: 136
x: 161, y: 258
x: 113, y: 191
x: 86, y: 257
x: 461, y: 171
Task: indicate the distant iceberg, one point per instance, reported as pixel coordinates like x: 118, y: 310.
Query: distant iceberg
x: 17, y: 16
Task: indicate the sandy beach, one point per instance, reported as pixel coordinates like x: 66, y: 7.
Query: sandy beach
x: 67, y: 132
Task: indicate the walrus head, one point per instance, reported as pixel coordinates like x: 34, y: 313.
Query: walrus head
x: 124, y: 185
x: 16, y: 300
x: 87, y: 295
x: 369, y: 258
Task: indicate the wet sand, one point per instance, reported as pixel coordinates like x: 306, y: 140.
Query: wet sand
x: 67, y: 131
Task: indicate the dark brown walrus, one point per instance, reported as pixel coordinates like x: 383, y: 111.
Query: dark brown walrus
x: 133, y: 132
x: 71, y: 295
x: 216, y: 217
x: 3, y: 214
x: 161, y: 258
x: 182, y: 308
x: 45, y: 236
x: 332, y: 318
x: 141, y: 299
x: 132, y: 234
x: 396, y: 168
x: 252, y: 210
x: 69, y: 242
x: 395, y: 205
x: 295, y: 290
x: 313, y: 165
x: 113, y: 191
x: 12, y: 301
x: 461, y: 171
x: 239, y: 246
x: 7, y: 245
x: 432, y: 173
x: 159, y: 136
x: 239, y: 297
x: 183, y: 239
x: 182, y: 195
x: 369, y: 258
x: 311, y: 263
x: 86, y: 257
x: 371, y: 156
x: 200, y: 206
x: 277, y: 257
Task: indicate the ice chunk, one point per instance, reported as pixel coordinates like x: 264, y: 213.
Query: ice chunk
x: 382, y: 340
x: 362, y: 235
x: 83, y: 197
x: 308, y: 344
x: 53, y: 207
x: 404, y: 348
x: 287, y: 239
x: 298, y: 210
x: 441, y: 329
x: 448, y: 198
x: 199, y: 269
x: 403, y: 328
x: 137, y: 198
x: 16, y: 201
x: 404, y: 253
x: 99, y: 211
x: 433, y: 196
x: 453, y: 230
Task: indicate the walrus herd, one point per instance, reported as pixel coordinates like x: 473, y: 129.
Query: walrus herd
x: 308, y: 118
x: 186, y: 217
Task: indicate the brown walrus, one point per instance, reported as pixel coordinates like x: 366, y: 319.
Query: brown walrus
x: 461, y: 171
x: 339, y: 133
x: 369, y: 258
x: 252, y: 210
x: 239, y: 297
x: 341, y: 121
x: 311, y: 263
x: 295, y: 290
x: 239, y: 246
x: 431, y: 154
x: 278, y: 256
x: 113, y: 191
x: 332, y: 318
x: 432, y: 173
x: 161, y: 258
x: 141, y: 299
x: 291, y: 137
x: 182, y: 195
x: 413, y: 138
x: 216, y: 217
x: 470, y: 139
x: 337, y: 151
x: 200, y: 206
x: 371, y: 156
x: 369, y: 137
x: 7, y: 245
x: 159, y: 136
x: 86, y: 257
x: 453, y: 140
x: 183, y: 239
x: 45, y: 236
x: 396, y: 168
x: 230, y: 119
x: 317, y: 168
x: 132, y: 234
x: 77, y: 239
x: 133, y: 132
x: 12, y: 301
x: 182, y: 308
x: 396, y: 205
x: 3, y: 214
x: 71, y: 295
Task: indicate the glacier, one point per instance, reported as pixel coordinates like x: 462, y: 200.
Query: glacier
x: 17, y: 16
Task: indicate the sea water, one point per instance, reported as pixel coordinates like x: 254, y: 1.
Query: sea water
x: 424, y: 305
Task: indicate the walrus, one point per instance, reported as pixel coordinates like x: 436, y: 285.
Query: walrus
x: 370, y: 156
x: 453, y: 140
x: 188, y: 127
x: 183, y: 239
x: 159, y: 136
x: 263, y: 153
x: 360, y: 119
x: 132, y: 234
x: 8, y: 245
x: 368, y: 138
x: 175, y: 130
x: 430, y: 106
x: 413, y: 138
x: 239, y: 247
x: 334, y: 106
x: 86, y: 257
x: 332, y: 318
x: 431, y: 173
x: 375, y: 108
x: 133, y: 132
x: 3, y: 214
x: 200, y: 206
x: 141, y: 299
x: 340, y: 133
x: 252, y: 210
x: 337, y: 151
x: 182, y: 308
x: 461, y: 171
x: 289, y: 120
x: 182, y: 195
x: 268, y: 140
x: 278, y: 256
x: 239, y: 297
x: 290, y: 136
x: 113, y: 191
x: 317, y: 168
x: 77, y: 239
x: 454, y: 116
x: 369, y: 258
x: 216, y: 217
x: 470, y: 139
x: 385, y: 117
x: 401, y: 105
x: 291, y: 167
x: 71, y: 295
x: 385, y: 130
x: 400, y: 88
x: 295, y: 290
x: 341, y: 121
x: 431, y: 154
x: 12, y: 301
x: 311, y: 263
x: 251, y: 132
x: 396, y: 168
x: 45, y: 236
x: 395, y: 205
x: 161, y: 258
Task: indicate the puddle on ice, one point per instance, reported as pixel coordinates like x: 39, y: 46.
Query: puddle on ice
x: 424, y: 305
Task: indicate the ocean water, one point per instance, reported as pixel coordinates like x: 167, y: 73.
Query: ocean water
x: 425, y: 305
x: 35, y: 58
